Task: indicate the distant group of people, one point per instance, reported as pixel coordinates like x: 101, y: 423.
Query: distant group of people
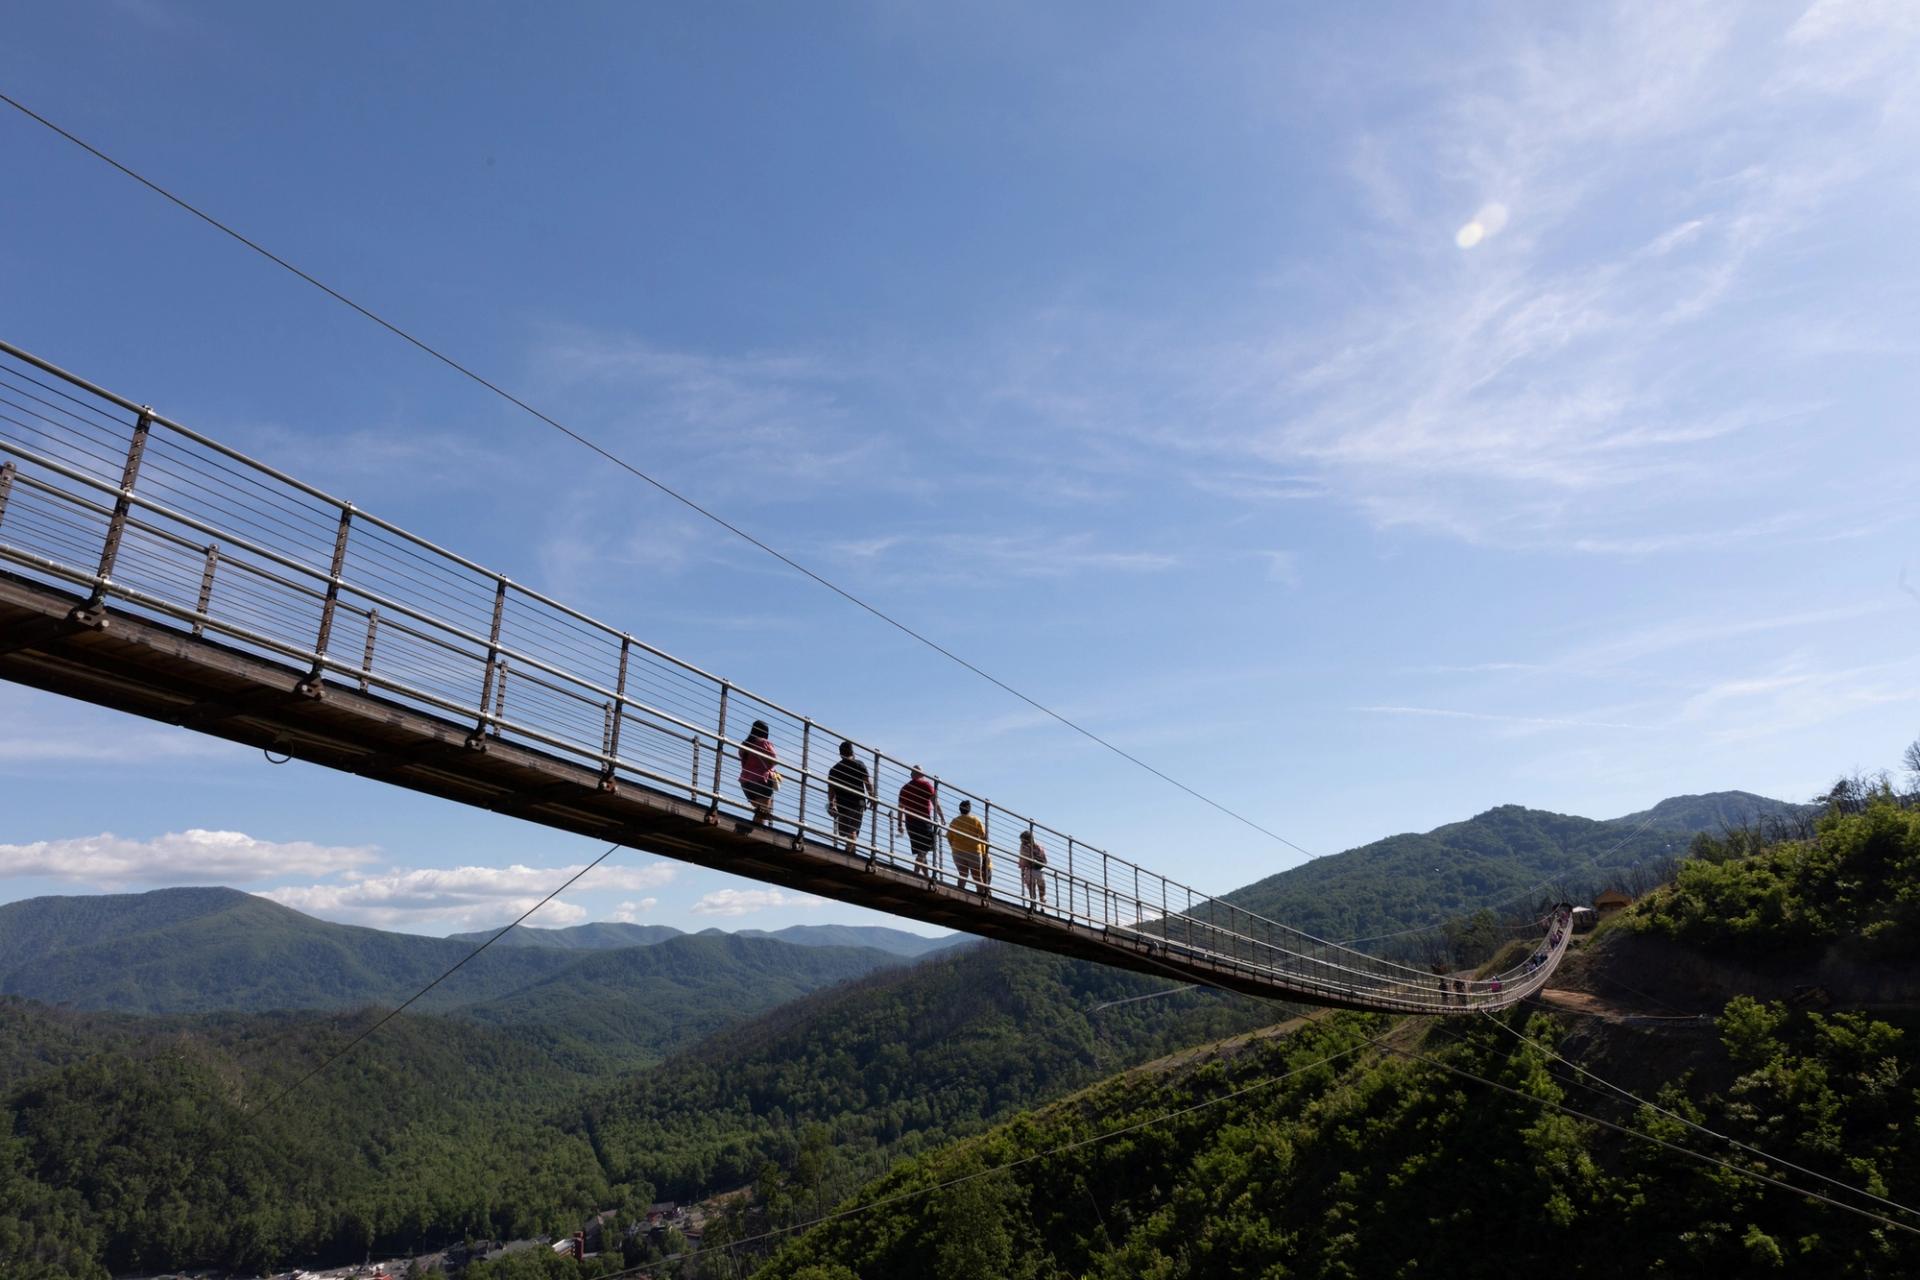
x: 917, y: 814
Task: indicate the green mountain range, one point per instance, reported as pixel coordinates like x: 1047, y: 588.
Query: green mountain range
x: 521, y: 1105
x: 1346, y: 1146
x: 1509, y: 855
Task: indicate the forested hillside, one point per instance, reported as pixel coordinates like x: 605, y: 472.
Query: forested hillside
x: 134, y: 1147
x: 892, y: 1063
x: 1458, y: 868
x: 127, y: 1144
x: 193, y: 950
x: 1333, y: 1152
x: 639, y: 1002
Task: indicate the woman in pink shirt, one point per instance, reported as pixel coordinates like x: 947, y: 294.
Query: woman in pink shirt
x: 757, y: 778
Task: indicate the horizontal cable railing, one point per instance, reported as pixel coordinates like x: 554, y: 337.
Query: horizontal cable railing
x: 106, y: 497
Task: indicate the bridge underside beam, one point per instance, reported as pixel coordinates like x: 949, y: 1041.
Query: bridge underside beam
x: 140, y: 666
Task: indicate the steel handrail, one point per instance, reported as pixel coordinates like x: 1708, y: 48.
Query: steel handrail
x: 557, y: 703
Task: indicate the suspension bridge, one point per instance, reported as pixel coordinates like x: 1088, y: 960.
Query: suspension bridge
x: 149, y: 568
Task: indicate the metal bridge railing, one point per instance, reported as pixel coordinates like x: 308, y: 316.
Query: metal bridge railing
x: 103, y: 495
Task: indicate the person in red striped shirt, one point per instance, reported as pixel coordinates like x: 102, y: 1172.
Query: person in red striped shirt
x: 918, y: 812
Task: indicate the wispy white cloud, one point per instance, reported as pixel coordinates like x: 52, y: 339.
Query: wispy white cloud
x: 1007, y: 555
x: 194, y: 856
x: 1544, y: 722
x: 740, y: 902
x: 451, y: 898
x: 1587, y: 369
x: 629, y: 912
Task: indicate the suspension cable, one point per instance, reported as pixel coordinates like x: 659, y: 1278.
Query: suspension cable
x: 397, y: 1010
x: 1659, y: 1142
x: 618, y: 461
x: 1711, y: 1133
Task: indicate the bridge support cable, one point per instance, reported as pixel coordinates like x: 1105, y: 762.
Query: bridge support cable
x: 240, y: 601
x: 1601, y: 1083
x: 618, y: 461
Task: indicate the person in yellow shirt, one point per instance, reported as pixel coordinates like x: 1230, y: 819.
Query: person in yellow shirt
x: 967, y: 836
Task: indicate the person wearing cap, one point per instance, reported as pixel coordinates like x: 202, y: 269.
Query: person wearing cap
x: 918, y: 811
x: 849, y: 792
x: 968, y: 837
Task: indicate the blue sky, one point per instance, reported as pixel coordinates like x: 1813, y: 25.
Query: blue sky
x: 1369, y: 418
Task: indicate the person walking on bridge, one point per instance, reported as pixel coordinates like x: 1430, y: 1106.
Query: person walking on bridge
x: 1033, y: 869
x: 968, y: 836
x: 919, y: 810
x: 849, y: 792
x: 758, y: 779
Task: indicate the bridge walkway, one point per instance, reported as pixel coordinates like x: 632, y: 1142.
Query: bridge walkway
x: 147, y: 567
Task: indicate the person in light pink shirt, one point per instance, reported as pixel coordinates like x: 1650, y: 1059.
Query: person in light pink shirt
x: 757, y: 777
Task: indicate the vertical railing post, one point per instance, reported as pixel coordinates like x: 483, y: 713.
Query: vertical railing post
x: 205, y: 598
x: 873, y: 827
x: 93, y: 612
x: 1069, y: 878
x: 719, y: 748
x: 986, y: 822
x: 478, y: 738
x: 6, y: 487
x: 313, y: 685
x: 1106, y: 894
x: 500, y: 698
x: 366, y: 656
x: 620, y: 715
x: 693, y: 779
x: 806, y: 757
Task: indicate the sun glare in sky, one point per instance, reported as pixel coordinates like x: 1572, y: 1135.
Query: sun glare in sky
x: 1487, y: 222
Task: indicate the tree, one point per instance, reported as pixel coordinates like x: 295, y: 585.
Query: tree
x: 969, y: 1230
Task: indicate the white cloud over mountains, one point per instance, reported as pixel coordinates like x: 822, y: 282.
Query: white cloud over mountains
x: 433, y: 898
x: 740, y: 902
x: 194, y: 856
x: 452, y: 898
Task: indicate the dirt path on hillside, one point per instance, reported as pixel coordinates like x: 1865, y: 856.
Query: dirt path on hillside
x: 1589, y: 1005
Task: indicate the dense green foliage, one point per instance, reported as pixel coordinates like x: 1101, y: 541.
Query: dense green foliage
x: 1278, y: 1158
x: 639, y: 1001
x: 1315, y: 1165
x: 894, y: 1063
x: 1453, y: 870
x: 129, y: 1141
x: 1857, y: 879
x: 148, y: 1147
x: 197, y: 950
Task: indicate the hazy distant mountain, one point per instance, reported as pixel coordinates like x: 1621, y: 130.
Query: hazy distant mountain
x: 897, y: 941
x: 620, y: 987
x: 604, y: 936
x: 1417, y: 878
x: 195, y: 950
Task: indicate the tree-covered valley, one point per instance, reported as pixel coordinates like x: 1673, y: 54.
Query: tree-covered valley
x: 816, y: 1075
